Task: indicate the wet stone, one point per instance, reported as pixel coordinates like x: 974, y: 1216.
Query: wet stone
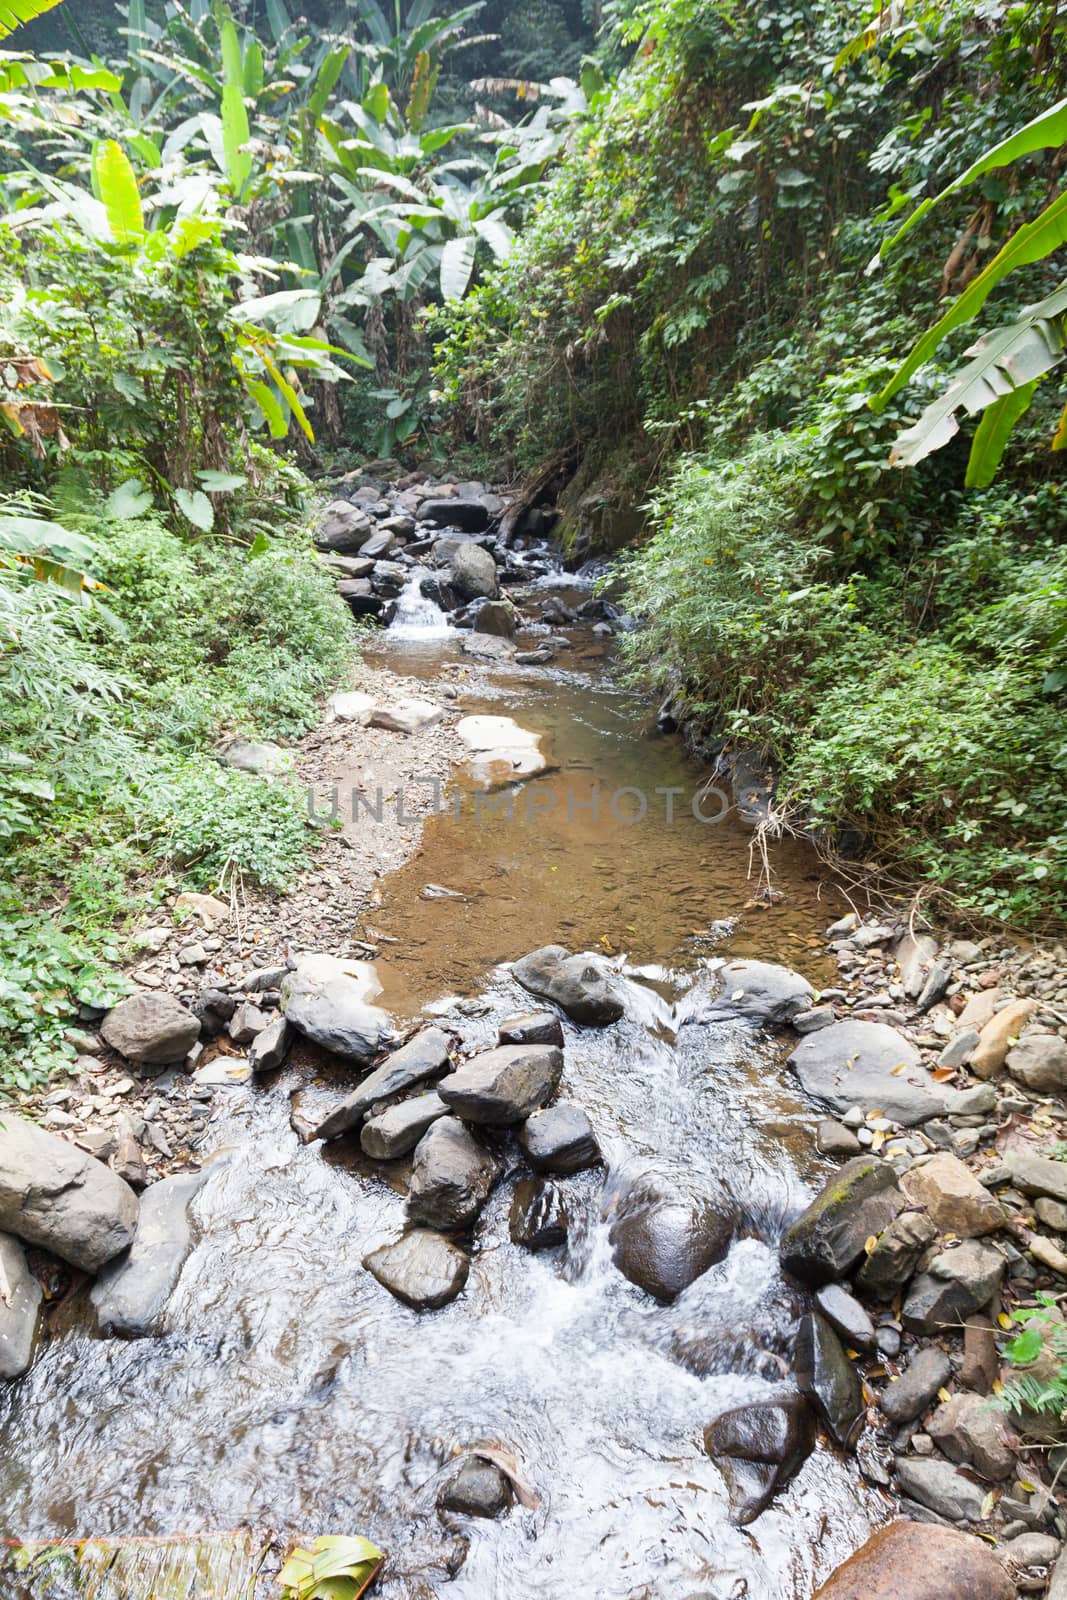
x: 663, y: 1239
x: 920, y: 1561
x: 758, y: 1449
x: 20, y: 1302
x: 846, y: 1316
x: 538, y: 1217
x: 560, y: 1139
x: 423, y: 1269
x: 130, y: 1296
x: 532, y: 1027
x: 396, y: 1131
x: 826, y: 1240
x: 906, y: 1400
x: 504, y: 1085
x: 579, y: 984
x: 451, y: 1177
x: 478, y: 1489
x: 829, y: 1380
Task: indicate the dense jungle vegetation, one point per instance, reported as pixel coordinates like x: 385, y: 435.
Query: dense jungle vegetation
x: 656, y: 245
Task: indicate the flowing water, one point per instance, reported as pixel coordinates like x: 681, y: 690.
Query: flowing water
x: 291, y: 1391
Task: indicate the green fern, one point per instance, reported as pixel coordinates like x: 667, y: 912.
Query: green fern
x: 1043, y: 1333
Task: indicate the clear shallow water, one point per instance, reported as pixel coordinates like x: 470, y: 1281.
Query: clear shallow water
x: 291, y: 1391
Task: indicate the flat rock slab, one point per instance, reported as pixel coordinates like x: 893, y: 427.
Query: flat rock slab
x: 579, y: 984
x: 761, y: 992
x: 54, y: 1195
x: 941, y: 1487
x: 131, y: 1294
x: 151, y: 1029
x: 419, y: 1061
x: 20, y: 1301
x: 500, y: 751
x: 351, y: 705
x: 406, y: 716
x: 505, y: 1085
x: 326, y: 999
x: 870, y: 1065
x: 423, y: 1269
x: 920, y: 1561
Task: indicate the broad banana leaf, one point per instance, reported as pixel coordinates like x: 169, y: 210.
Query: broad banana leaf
x: 457, y: 266
x: 992, y: 434
x: 13, y: 13
x: 115, y: 186
x: 1006, y: 364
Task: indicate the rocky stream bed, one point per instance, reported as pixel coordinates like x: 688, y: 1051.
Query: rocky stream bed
x: 528, y: 1191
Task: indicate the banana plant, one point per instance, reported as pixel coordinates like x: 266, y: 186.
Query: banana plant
x: 1001, y: 378
x: 15, y: 13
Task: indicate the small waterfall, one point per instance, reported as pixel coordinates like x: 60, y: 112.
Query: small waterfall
x: 417, y: 616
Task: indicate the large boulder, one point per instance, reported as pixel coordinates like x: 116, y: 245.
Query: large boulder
x: 920, y: 1561
x: 560, y: 1139
x: 489, y: 647
x: 496, y: 617
x: 663, y: 1238
x: 326, y: 999
x: 131, y: 1294
x: 579, y: 985
x: 54, y: 1195
x: 867, y: 1064
x: 826, y: 1241
x: 472, y: 572
x: 396, y: 1131
x: 829, y: 1380
x: 343, y: 528
x: 451, y: 1177
x: 955, y: 1283
x: 505, y: 1085
x: 952, y: 1197
x: 423, y: 1269
x: 151, y: 1029
x: 758, y: 1448
x: 422, y: 1059
x: 20, y: 1301
x: 761, y: 992
x: 469, y: 515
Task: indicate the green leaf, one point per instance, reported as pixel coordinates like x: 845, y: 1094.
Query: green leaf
x: 115, y: 186
x: 252, y: 71
x: 1032, y: 242
x: 265, y: 399
x: 326, y: 81
x: 1026, y: 1347
x: 13, y: 13
x: 195, y: 505
x: 221, y: 482
x: 376, y: 101
x: 131, y: 499
x: 1045, y: 132
x: 457, y: 267
x: 235, y: 129
x: 286, y: 311
x: 992, y: 434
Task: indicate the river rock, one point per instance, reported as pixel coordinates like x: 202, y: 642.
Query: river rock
x: 20, y: 1301
x: 472, y: 572
x: 343, y: 528
x: 488, y: 647
x: 131, y: 1294
x: 940, y: 1487
x: 914, y: 954
x: 846, y: 1316
x: 396, y: 1131
x: 952, y: 1197
x: 54, y: 1195
x: 478, y: 1489
x: 955, y: 1283
x: 262, y: 760
x: 920, y: 1561
x: 497, y: 617
x: 996, y: 1037
x: 532, y: 1027
x: 247, y: 1022
x: 829, y: 1380
x: 326, y: 1000
x: 270, y: 1046
x: 970, y: 1431
x: 538, y: 1217
x: 1038, y: 1175
x: 758, y: 1448
x: 451, y: 1176
x: 905, y: 1400
x: 761, y: 992
x: 423, y: 1269
x: 1039, y: 1063
x: 151, y: 1029
x: 578, y: 984
x: 834, y: 1139
x: 664, y: 1239
x: 470, y: 516
x: 406, y: 716
x: 895, y: 1255
x: 826, y: 1240
x: 560, y: 1139
x: 504, y: 1085
x: 858, y: 1064
x: 351, y: 705
x: 422, y: 1059
x: 501, y: 751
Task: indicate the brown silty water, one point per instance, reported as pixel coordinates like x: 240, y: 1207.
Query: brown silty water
x: 289, y: 1390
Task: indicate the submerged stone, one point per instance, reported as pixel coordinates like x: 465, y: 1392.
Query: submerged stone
x: 758, y: 1448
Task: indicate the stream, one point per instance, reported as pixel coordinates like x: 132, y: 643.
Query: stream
x: 290, y: 1391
